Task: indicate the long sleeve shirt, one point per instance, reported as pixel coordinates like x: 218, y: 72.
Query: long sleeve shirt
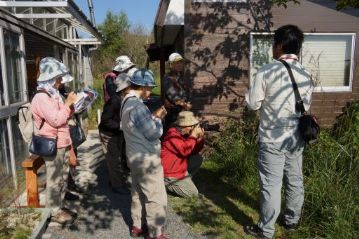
x: 55, y: 116
x: 142, y: 131
x: 175, y: 151
x: 110, y: 118
x: 272, y: 93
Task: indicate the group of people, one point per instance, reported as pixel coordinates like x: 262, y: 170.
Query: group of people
x: 141, y: 156
x: 148, y: 152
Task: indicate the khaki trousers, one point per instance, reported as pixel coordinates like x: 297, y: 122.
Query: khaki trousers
x: 149, y: 198
x: 185, y: 187
x: 115, y: 157
x: 57, y: 171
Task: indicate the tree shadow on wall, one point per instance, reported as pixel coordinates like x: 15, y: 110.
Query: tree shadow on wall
x: 217, y: 46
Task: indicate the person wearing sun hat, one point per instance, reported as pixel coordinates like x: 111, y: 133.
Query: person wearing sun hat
x: 123, y: 64
x: 112, y: 137
x: 175, y: 92
x: 180, y: 154
x: 142, y: 131
x: 50, y: 114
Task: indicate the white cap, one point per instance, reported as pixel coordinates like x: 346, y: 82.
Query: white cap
x: 123, y: 63
x: 50, y: 68
x: 66, y: 79
x: 174, y: 57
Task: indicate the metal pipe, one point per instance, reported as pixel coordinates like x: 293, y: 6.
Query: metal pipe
x: 92, y: 13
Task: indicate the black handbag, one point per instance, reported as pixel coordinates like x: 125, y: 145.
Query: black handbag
x: 43, y: 146
x: 308, y: 124
x: 77, y: 134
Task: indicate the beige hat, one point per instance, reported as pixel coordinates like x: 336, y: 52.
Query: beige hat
x: 174, y: 57
x: 186, y: 118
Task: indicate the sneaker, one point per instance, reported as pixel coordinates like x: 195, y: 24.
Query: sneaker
x: 71, y: 197
x: 63, y: 217
x: 159, y: 237
x: 137, y: 232
x: 255, y: 231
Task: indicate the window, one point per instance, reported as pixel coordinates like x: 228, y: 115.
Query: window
x: 5, y: 167
x: 328, y: 57
x: 2, y: 99
x: 13, y: 66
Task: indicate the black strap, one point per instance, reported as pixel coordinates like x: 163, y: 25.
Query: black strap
x: 47, y: 93
x: 299, y: 106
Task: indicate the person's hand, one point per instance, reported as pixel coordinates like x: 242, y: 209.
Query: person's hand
x: 187, y: 106
x: 70, y: 99
x: 160, y: 112
x: 197, y: 132
x: 73, y: 159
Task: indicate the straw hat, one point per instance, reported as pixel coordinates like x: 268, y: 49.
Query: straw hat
x: 123, y: 63
x: 50, y: 68
x: 186, y: 118
x: 122, y: 81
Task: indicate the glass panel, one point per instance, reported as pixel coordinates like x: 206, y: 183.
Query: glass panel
x: 5, y: 167
x: 261, y: 52
x: 13, y: 66
x: 2, y: 99
x: 328, y: 59
x: 20, y: 146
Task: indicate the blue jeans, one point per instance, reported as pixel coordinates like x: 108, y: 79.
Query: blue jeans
x: 277, y: 163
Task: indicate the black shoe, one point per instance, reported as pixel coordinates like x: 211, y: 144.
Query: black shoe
x: 255, y: 231
x: 71, y: 197
x: 289, y: 227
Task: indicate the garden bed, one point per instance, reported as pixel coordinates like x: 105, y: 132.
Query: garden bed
x: 18, y: 223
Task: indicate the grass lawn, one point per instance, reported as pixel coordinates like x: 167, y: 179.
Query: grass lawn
x: 222, y: 209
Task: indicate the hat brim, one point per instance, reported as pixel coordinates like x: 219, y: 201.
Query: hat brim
x: 66, y: 79
x: 46, y: 77
x: 149, y: 85
x: 177, y: 60
x: 119, y: 68
x: 187, y: 124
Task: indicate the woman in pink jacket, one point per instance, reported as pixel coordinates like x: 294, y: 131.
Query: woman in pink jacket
x: 50, y: 113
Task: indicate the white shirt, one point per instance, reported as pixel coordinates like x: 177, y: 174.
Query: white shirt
x: 272, y: 92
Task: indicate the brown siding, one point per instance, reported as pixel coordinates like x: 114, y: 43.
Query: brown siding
x: 217, y: 49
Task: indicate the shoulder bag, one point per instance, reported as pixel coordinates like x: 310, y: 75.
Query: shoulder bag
x: 308, y: 124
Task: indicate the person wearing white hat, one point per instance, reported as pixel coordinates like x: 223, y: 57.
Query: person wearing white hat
x: 175, y: 95
x: 180, y: 154
x: 112, y: 138
x: 50, y: 114
x: 123, y: 64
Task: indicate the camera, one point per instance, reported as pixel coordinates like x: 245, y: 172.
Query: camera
x: 206, y: 126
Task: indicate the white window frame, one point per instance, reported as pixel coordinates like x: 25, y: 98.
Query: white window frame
x: 348, y: 88
x: 8, y: 110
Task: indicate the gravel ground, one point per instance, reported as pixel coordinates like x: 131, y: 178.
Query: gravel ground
x: 102, y: 213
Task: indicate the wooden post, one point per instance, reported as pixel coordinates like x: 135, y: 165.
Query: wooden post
x: 31, y: 165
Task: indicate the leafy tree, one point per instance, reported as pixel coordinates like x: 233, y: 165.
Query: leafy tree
x: 341, y: 4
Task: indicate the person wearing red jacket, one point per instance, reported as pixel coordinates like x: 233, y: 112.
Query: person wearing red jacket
x: 180, y: 156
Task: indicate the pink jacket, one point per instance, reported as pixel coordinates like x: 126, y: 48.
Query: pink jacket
x: 55, y: 115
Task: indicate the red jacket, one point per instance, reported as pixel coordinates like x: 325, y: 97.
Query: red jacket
x: 175, y: 151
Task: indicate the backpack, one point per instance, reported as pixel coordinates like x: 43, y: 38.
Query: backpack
x: 25, y: 121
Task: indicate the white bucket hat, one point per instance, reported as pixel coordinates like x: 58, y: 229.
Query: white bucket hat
x: 122, y: 82
x: 123, y: 63
x: 50, y: 68
x: 66, y: 79
x: 174, y: 57
x: 186, y: 118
